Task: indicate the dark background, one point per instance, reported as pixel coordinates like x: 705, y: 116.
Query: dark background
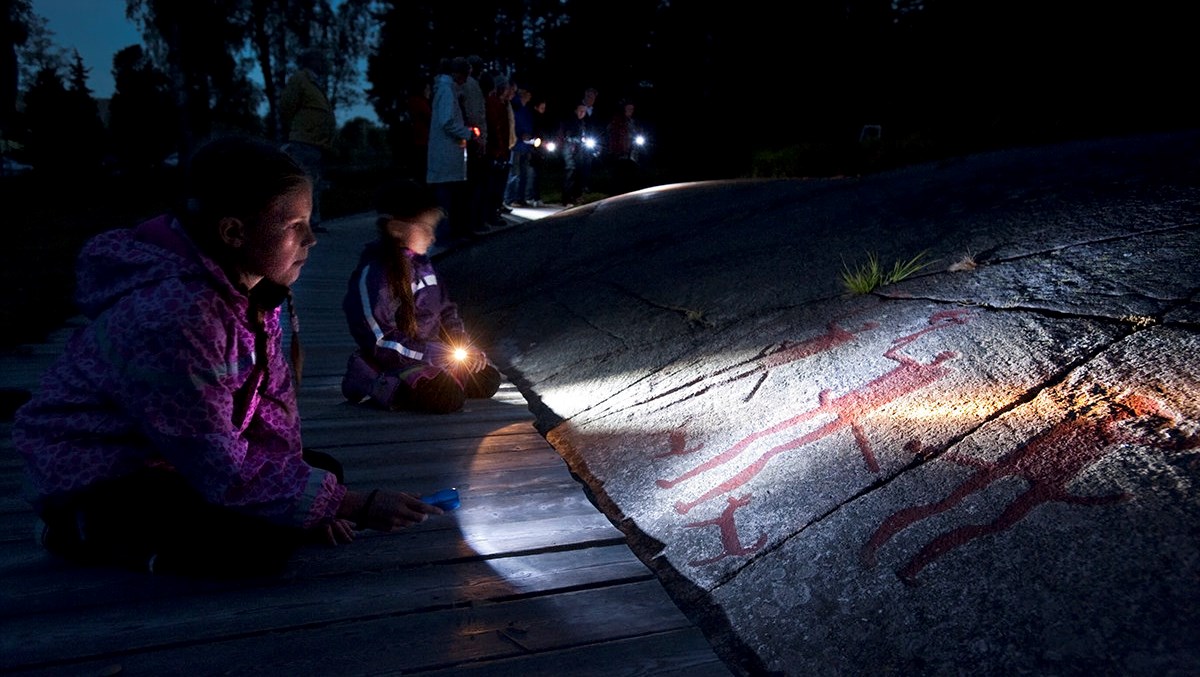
x: 746, y: 89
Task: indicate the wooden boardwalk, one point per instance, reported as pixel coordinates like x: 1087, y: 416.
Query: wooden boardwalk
x: 526, y: 578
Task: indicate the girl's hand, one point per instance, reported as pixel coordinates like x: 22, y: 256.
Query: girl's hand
x: 385, y: 510
x: 450, y: 357
x: 444, y: 355
x: 335, y: 533
x: 475, y: 362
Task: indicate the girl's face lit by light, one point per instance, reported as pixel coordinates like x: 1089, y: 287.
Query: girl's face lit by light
x: 276, y: 248
x: 416, y: 234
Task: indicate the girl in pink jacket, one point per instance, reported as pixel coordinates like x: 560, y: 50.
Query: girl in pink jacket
x: 167, y: 437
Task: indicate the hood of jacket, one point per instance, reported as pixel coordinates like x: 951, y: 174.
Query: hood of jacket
x: 114, y: 264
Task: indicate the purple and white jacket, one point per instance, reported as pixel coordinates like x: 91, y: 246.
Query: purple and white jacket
x: 167, y: 374
x: 371, y: 307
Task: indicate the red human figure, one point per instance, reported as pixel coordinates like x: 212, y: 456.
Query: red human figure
x: 1048, y: 462
x: 833, y: 337
x: 730, y: 541
x: 848, y: 411
x: 768, y: 359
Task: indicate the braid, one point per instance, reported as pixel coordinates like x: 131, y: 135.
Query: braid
x: 296, y: 349
x: 400, y: 279
x: 402, y: 200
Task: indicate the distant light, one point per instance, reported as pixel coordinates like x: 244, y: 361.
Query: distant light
x: 640, y: 140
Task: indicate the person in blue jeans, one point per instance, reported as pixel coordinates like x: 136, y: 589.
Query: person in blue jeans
x: 520, y: 192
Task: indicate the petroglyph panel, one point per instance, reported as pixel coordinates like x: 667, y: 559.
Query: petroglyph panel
x: 735, y: 463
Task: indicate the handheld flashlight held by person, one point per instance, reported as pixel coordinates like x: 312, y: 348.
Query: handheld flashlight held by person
x: 446, y: 499
x: 460, y: 354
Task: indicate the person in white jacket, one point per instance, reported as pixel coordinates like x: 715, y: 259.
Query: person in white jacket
x: 449, y: 134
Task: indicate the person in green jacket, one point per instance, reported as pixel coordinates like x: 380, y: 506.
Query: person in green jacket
x: 308, y: 123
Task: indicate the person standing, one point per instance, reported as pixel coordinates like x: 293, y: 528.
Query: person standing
x: 520, y: 180
x: 446, y: 170
x: 308, y: 123
x: 624, y: 146
x: 543, y: 135
x: 579, y: 149
x: 474, y: 104
x: 589, y: 102
x: 420, y: 114
x: 501, y: 139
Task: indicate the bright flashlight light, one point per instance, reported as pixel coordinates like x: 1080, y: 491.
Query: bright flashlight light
x: 460, y: 354
x: 589, y: 142
x: 640, y: 140
x: 551, y: 146
x: 537, y: 143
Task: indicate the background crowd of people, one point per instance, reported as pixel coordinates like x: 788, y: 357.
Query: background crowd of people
x: 484, y: 141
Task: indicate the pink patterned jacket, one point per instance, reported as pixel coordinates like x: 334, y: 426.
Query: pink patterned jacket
x: 166, y: 373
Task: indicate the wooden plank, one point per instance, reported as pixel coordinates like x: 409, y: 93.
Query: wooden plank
x: 672, y: 653
x: 527, y: 577
x: 185, y: 611
x: 492, y: 494
x: 512, y: 523
x: 404, y: 642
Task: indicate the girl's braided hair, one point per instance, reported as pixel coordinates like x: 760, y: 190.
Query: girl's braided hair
x: 402, y: 200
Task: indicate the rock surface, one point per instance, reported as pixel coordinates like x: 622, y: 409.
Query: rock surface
x: 990, y: 466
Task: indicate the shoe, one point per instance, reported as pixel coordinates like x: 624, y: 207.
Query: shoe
x: 535, y: 203
x: 520, y: 203
x: 359, y: 377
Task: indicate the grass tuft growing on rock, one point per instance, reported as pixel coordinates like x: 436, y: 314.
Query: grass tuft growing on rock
x: 869, y: 276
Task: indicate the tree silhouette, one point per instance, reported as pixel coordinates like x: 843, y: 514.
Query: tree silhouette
x: 142, y: 115
x: 84, y: 132
x: 15, y: 18
x: 195, y: 44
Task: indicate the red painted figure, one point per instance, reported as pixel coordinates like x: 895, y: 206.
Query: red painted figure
x: 848, y: 410
x: 1049, y: 463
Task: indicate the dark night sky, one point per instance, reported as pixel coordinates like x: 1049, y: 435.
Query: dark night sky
x: 99, y: 29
